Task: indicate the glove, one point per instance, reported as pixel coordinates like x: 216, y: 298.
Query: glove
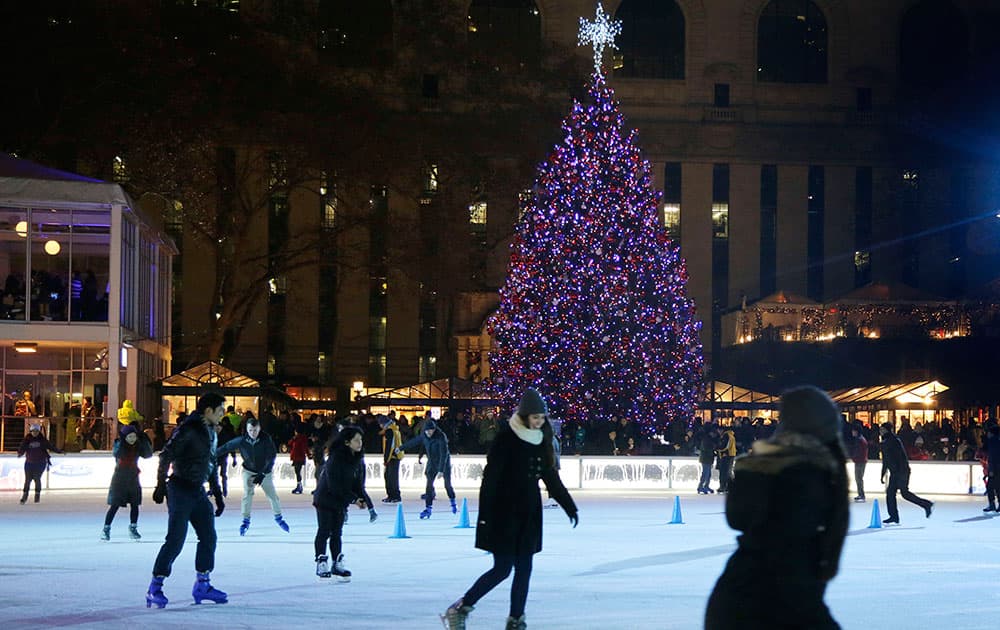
x: 372, y: 515
x: 573, y: 518
x: 258, y: 479
x: 220, y: 505
x: 361, y: 504
x: 159, y: 493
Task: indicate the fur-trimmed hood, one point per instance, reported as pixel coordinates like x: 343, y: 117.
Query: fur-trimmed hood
x: 784, y: 450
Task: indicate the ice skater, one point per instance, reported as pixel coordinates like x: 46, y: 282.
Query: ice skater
x: 895, y: 462
x: 789, y: 501
x: 258, y: 452
x: 341, y: 483
x: 435, y: 444
x: 298, y: 451
x: 510, y: 508
x: 391, y: 438
x: 190, y: 455
x: 130, y: 445
x: 35, y: 448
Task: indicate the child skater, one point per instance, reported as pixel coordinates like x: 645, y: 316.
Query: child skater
x: 35, y: 449
x: 341, y: 483
x: 125, y: 490
x: 510, y: 508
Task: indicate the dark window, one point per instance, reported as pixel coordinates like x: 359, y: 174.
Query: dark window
x: 720, y: 233
x: 651, y: 44
x: 722, y: 95
x: 933, y: 46
x: 791, y: 43
x: 356, y: 33
x: 862, y: 225
x: 863, y: 100
x: 768, y: 229
x: 430, y: 86
x: 505, y: 32
x: 814, y: 245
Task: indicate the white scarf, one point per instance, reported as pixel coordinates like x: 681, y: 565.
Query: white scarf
x: 531, y: 436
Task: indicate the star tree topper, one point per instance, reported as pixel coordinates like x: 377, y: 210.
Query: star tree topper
x: 600, y: 33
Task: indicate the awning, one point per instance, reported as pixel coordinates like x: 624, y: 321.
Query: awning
x: 917, y: 392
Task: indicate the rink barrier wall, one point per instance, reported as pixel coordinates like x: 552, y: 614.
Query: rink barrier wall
x: 93, y: 470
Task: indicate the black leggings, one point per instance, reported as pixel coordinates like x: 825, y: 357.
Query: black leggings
x: 133, y: 514
x: 330, y: 526
x: 502, y: 565
x: 298, y: 471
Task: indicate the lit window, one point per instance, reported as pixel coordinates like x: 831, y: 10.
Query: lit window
x: 278, y: 285
x: 720, y: 220
x: 477, y: 213
x: 277, y: 172
x: 431, y: 179
x: 672, y: 218
x: 322, y: 368
x: 271, y: 365
x: 119, y: 171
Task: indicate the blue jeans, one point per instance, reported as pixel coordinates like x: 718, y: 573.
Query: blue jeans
x: 429, y: 494
x: 186, y: 504
x: 706, y: 475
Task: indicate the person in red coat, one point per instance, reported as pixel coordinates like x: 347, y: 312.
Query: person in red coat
x: 298, y: 451
x: 510, y: 508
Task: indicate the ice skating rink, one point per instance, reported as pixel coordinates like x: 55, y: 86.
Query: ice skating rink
x: 624, y: 567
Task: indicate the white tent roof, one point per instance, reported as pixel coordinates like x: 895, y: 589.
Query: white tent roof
x: 26, y: 183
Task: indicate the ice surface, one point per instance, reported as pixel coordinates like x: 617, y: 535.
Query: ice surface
x: 624, y: 567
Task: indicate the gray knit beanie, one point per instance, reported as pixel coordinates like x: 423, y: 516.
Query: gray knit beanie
x: 532, y: 402
x: 810, y: 411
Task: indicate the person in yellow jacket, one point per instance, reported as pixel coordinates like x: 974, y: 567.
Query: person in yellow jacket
x: 391, y: 439
x: 127, y: 414
x: 726, y: 453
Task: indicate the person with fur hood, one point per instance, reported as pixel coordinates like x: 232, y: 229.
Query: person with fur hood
x: 510, y: 508
x: 788, y: 497
x: 435, y: 444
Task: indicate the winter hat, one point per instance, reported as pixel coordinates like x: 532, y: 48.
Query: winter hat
x: 430, y: 424
x: 810, y: 411
x: 383, y: 421
x: 532, y: 402
x: 128, y: 429
x: 34, y: 426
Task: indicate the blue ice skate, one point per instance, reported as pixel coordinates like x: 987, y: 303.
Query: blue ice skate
x: 203, y: 590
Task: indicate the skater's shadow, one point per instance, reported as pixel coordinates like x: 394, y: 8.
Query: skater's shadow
x: 659, y: 559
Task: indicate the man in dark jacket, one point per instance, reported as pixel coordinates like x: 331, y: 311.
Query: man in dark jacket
x: 895, y: 462
x: 190, y: 456
x: 438, y: 462
x: 706, y: 457
x: 258, y: 452
x: 859, y: 454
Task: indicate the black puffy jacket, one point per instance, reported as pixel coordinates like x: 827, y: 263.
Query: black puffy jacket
x: 190, y: 454
x: 342, y: 480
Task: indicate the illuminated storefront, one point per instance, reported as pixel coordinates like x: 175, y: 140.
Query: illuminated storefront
x: 84, y: 305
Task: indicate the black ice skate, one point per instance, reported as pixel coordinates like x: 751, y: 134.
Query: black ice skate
x: 323, y: 568
x: 341, y: 573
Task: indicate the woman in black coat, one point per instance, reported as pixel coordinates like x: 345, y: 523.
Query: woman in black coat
x: 510, y: 508
x: 125, y: 489
x: 341, y: 483
x: 789, y: 500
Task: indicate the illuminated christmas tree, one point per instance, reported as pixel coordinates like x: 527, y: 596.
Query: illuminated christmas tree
x: 594, y: 312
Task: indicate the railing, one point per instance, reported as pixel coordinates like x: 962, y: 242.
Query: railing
x: 93, y: 470
x: 63, y: 432
x: 721, y: 114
